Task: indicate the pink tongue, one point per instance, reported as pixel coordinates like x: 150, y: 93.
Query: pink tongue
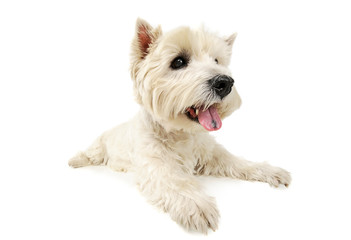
x: 210, y: 119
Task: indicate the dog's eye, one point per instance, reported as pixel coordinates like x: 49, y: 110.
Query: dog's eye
x: 216, y: 60
x: 178, y: 63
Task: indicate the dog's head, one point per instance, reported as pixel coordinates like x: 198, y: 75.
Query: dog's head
x: 182, y: 78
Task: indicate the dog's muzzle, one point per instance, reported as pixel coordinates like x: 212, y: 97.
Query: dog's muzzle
x: 221, y: 85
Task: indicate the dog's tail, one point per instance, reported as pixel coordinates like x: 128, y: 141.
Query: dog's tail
x: 94, y: 155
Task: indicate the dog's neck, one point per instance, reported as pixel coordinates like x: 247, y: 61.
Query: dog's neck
x: 159, y: 130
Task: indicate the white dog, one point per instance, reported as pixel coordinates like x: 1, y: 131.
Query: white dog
x: 183, y: 85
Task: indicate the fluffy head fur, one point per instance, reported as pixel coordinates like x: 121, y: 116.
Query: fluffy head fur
x: 167, y: 93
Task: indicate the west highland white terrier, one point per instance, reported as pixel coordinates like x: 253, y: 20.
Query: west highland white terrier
x: 185, y: 89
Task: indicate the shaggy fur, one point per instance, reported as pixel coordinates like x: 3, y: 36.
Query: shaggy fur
x: 162, y: 145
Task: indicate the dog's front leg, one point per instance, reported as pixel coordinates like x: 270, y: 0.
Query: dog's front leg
x: 223, y: 163
x: 165, y: 184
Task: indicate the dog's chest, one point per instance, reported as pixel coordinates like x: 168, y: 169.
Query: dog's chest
x: 191, y: 151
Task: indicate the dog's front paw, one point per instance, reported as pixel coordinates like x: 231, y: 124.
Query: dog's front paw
x: 274, y: 176
x: 197, y: 215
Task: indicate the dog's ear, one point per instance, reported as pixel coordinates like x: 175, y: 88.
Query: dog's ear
x: 145, y: 37
x: 230, y: 40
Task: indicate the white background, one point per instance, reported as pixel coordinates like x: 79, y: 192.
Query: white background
x: 64, y: 79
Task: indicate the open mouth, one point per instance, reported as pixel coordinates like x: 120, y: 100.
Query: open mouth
x: 208, y: 118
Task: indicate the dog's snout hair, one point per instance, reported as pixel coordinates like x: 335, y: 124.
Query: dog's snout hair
x: 221, y: 85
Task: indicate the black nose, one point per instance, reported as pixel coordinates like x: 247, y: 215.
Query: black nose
x: 222, y: 85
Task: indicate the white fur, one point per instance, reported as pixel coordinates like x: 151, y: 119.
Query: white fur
x: 160, y: 144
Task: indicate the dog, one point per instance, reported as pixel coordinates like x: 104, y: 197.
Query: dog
x: 184, y: 88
